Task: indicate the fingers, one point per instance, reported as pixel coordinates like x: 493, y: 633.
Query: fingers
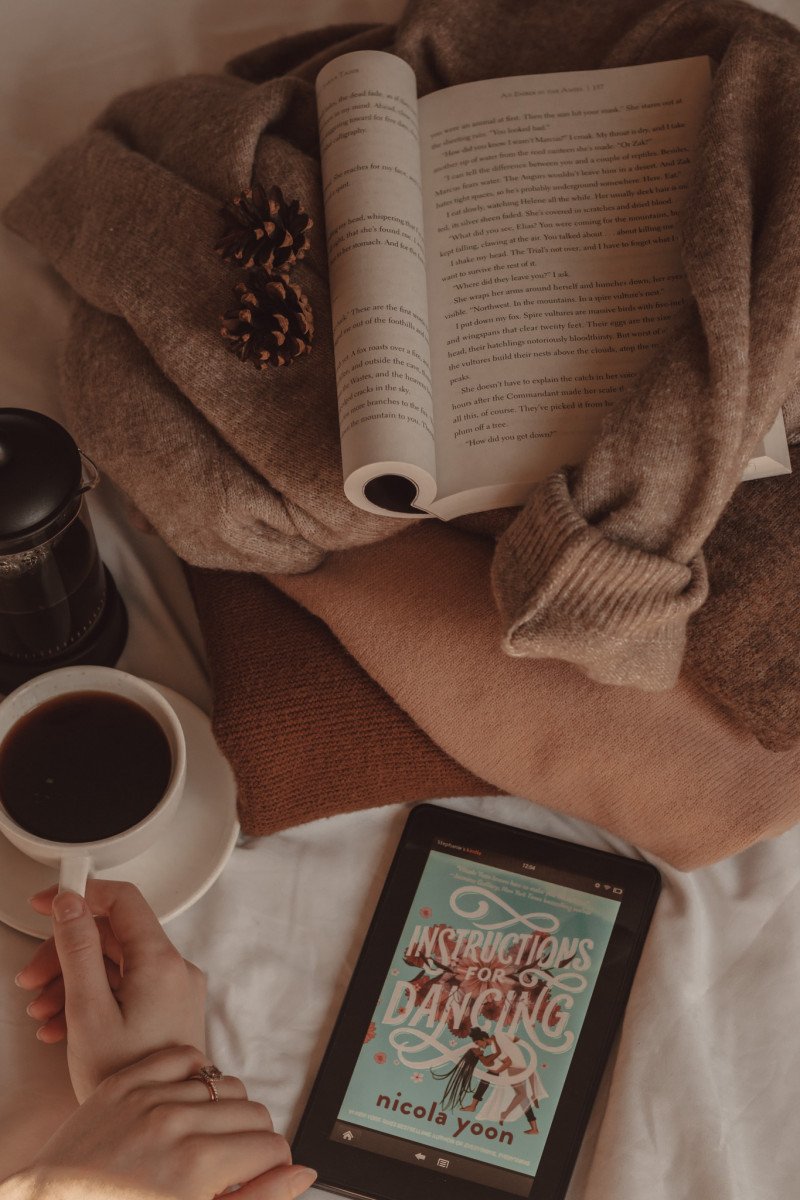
x: 112, y: 947
x: 44, y: 966
x: 43, y: 901
x: 130, y: 917
x: 54, y: 1030
x: 210, y: 1119
x: 194, y: 1091
x: 220, y: 1145
x: 282, y: 1183
x: 50, y: 999
x: 48, y: 1006
x: 89, y: 999
x: 49, y: 1002
x: 174, y: 1065
x: 242, y: 1155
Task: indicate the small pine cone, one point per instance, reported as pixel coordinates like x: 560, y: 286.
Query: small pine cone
x: 272, y: 323
x: 264, y: 231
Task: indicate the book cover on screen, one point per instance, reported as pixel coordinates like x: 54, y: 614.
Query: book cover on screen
x: 470, y: 1043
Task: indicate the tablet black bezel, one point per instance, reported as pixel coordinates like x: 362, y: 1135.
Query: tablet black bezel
x: 361, y: 1173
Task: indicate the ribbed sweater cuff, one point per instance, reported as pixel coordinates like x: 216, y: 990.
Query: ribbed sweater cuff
x: 566, y: 590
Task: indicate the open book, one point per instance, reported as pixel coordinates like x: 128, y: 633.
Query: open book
x: 503, y: 261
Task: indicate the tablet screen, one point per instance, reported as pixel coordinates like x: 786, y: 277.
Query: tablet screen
x: 466, y: 1055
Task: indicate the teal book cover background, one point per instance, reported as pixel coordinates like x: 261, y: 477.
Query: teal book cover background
x: 477, y: 1021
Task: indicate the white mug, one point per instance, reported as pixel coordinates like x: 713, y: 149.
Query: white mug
x: 76, y: 860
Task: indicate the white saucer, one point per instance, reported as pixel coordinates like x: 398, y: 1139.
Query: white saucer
x: 176, y: 872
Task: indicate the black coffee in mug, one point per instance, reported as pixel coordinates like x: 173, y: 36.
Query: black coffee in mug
x: 83, y: 766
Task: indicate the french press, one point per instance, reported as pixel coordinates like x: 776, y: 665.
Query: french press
x: 58, y: 603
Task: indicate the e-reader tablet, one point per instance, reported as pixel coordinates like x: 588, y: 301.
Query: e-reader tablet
x: 481, y: 1012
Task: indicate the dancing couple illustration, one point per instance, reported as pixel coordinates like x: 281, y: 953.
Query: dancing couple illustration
x: 505, y: 1068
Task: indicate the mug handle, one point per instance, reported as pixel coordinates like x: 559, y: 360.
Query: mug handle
x: 73, y: 874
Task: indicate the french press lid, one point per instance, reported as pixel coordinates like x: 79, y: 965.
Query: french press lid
x: 40, y: 473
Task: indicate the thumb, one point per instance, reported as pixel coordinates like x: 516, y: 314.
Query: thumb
x: 80, y: 955
x: 281, y: 1183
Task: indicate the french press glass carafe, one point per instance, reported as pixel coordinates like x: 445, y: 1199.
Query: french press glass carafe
x: 58, y: 603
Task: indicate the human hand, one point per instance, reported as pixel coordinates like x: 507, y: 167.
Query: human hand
x: 115, y: 987
x: 151, y: 1130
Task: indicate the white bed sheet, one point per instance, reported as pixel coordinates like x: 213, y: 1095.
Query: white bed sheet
x: 701, y: 1099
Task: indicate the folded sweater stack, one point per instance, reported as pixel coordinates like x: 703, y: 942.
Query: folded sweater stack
x: 604, y: 566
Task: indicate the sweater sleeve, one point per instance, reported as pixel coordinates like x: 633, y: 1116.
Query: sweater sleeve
x: 603, y: 566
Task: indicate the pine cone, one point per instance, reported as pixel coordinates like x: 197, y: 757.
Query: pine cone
x: 272, y: 323
x: 264, y: 231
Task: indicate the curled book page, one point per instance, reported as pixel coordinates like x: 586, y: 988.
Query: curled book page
x: 371, y: 177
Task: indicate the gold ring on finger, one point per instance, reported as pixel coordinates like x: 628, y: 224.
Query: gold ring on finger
x: 209, y: 1076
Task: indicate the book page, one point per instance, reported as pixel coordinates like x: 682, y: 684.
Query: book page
x: 552, y: 212
x: 367, y: 107
x: 771, y: 455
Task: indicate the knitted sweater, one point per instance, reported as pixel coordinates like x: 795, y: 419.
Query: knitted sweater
x: 237, y: 469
